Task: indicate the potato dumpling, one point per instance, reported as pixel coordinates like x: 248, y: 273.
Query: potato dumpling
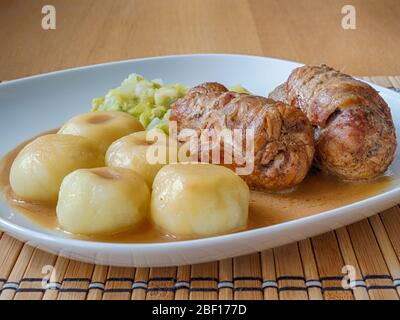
x: 199, y: 200
x: 103, y: 128
x: 38, y: 170
x: 133, y: 152
x: 102, y: 201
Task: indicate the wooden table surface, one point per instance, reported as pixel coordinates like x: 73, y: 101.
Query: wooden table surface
x: 95, y: 31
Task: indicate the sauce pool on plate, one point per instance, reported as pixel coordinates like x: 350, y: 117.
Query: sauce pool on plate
x: 318, y: 192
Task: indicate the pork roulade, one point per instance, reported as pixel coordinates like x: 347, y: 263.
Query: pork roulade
x: 354, y: 132
x: 283, y: 136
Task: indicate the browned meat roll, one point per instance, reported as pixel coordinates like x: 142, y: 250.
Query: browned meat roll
x: 354, y: 132
x: 284, y: 143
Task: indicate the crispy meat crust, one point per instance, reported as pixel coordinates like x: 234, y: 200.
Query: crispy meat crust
x: 354, y: 132
x: 283, y: 146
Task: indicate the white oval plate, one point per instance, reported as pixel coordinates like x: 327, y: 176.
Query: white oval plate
x: 32, y: 105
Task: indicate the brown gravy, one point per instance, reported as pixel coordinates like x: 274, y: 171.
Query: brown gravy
x: 317, y: 193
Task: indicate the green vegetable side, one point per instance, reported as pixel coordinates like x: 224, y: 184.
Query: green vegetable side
x: 147, y: 100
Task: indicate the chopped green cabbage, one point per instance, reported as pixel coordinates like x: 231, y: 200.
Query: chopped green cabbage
x: 148, y: 101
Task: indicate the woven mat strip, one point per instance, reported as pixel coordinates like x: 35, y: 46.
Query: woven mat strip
x: 17, y: 258
x: 247, y: 277
x: 76, y: 281
x: 55, y: 277
x: 204, y: 281
x: 309, y: 269
x: 119, y: 283
x: 372, y: 264
x: 269, y: 285
x: 386, y: 227
x: 139, y: 288
x: 182, y: 284
x: 330, y: 263
x: 32, y: 284
x: 349, y: 257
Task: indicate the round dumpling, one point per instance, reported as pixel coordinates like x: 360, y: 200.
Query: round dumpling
x: 38, y: 170
x: 199, y: 200
x: 102, y: 127
x: 102, y: 201
x: 134, y: 152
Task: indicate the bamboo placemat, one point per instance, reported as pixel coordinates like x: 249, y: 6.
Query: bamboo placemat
x: 309, y: 269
